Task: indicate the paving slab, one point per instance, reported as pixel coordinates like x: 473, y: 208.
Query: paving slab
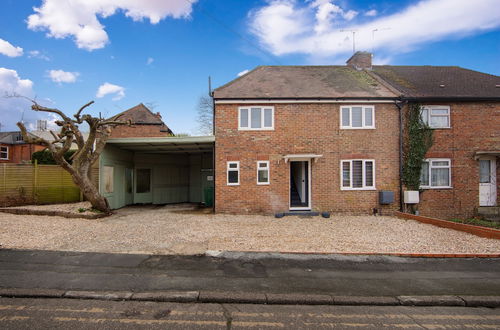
x: 232, y: 297
x: 189, y: 296
x: 364, y: 300
x: 431, y: 301
x: 101, y: 295
x: 481, y: 301
x: 299, y: 299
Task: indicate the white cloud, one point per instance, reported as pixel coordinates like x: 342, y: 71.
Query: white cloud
x: 7, y: 49
x: 371, y: 13
x: 108, y: 88
x: 14, y: 109
x: 243, y: 72
x: 289, y: 27
x: 150, y: 60
x: 60, y: 76
x: 38, y: 54
x: 80, y: 18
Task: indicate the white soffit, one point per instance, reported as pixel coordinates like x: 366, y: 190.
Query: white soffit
x: 300, y: 157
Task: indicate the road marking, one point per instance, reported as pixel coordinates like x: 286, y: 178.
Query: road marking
x: 14, y: 318
x: 151, y: 322
x: 365, y: 325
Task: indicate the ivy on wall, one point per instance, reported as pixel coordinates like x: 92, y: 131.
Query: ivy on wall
x: 418, y: 140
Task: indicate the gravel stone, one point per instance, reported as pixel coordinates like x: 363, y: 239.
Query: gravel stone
x: 177, y: 230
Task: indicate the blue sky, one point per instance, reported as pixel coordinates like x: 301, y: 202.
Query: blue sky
x: 64, y: 52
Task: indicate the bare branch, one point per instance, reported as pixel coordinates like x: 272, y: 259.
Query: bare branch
x: 77, y: 115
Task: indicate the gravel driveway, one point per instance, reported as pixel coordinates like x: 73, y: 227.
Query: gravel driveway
x: 166, y: 230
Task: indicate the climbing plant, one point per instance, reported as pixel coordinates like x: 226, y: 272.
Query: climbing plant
x: 418, y: 142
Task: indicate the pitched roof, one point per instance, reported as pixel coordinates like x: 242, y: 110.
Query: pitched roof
x: 11, y: 137
x: 440, y: 81
x: 304, y: 82
x: 385, y: 81
x: 140, y: 114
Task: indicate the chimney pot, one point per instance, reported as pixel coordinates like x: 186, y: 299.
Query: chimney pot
x: 360, y: 61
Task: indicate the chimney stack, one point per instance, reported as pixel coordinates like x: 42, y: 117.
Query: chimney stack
x: 360, y: 61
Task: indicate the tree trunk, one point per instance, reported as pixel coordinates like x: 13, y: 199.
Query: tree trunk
x: 91, y: 193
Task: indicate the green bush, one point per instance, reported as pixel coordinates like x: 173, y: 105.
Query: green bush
x: 44, y: 157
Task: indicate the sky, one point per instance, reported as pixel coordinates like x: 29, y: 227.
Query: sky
x: 119, y: 53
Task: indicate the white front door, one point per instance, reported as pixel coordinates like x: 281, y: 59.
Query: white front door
x: 487, y: 182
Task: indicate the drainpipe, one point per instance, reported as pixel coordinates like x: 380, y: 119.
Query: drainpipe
x: 400, y: 106
x: 211, y: 94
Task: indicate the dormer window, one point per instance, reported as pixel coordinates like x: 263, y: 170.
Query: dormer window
x: 436, y: 116
x: 255, y: 118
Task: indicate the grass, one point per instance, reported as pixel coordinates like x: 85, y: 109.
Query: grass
x: 478, y: 222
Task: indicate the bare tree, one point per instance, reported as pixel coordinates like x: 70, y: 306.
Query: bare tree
x: 205, y: 115
x: 88, y: 150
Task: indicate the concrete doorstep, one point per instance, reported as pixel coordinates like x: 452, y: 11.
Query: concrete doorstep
x: 256, y: 298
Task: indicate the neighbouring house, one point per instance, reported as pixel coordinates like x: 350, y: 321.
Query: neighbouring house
x: 329, y: 138
x: 144, y: 124
x: 13, y: 149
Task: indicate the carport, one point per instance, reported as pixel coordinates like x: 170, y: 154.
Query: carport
x: 159, y: 170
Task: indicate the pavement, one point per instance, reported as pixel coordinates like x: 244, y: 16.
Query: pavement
x: 25, y: 313
x: 252, y: 278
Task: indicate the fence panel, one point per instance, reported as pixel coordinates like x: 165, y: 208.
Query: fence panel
x: 36, y: 184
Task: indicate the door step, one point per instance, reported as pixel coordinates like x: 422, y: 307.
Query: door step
x: 491, y: 213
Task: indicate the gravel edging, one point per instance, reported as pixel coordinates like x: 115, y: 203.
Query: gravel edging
x: 52, y: 213
x: 257, y: 298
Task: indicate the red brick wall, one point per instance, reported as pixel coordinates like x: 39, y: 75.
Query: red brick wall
x: 19, y: 153
x: 299, y: 129
x: 474, y: 127
x: 138, y: 131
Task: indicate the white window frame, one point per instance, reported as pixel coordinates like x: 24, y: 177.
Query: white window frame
x: 4, y: 149
x: 262, y: 128
x: 430, y: 160
x: 267, y: 168
x: 350, y: 174
x: 363, y: 119
x: 431, y: 108
x: 233, y: 169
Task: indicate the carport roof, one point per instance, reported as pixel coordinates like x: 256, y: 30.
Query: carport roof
x: 189, y: 144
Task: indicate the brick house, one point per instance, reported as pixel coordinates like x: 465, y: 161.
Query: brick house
x: 328, y: 138
x: 145, y: 123
x: 13, y: 149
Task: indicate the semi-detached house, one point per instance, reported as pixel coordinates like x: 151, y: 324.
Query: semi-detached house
x: 329, y: 138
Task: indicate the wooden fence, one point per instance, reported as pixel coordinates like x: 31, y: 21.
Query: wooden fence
x: 36, y: 184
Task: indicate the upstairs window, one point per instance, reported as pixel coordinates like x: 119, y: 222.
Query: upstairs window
x: 233, y: 173
x: 358, y: 174
x: 4, y: 153
x: 263, y: 172
x: 256, y: 118
x: 357, y: 117
x: 436, y: 116
x: 436, y: 173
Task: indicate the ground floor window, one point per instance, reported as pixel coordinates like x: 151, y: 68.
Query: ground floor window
x: 263, y: 172
x: 4, y: 153
x: 233, y: 173
x: 436, y: 173
x: 358, y: 174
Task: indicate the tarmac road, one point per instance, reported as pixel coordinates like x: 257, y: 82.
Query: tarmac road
x: 247, y: 272
x: 93, y: 314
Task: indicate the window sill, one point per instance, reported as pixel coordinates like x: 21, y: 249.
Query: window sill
x: 255, y: 129
x: 233, y: 184
x: 434, y: 188
x: 263, y: 183
x: 351, y: 128
x: 356, y: 189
